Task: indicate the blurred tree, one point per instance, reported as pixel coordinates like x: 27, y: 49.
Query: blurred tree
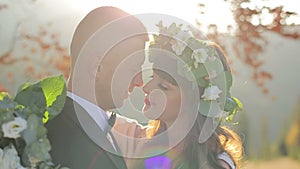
x: 282, y: 147
x: 2, y: 89
x: 243, y: 129
x: 36, y: 54
x: 292, y: 139
x: 265, y: 139
x: 250, y: 24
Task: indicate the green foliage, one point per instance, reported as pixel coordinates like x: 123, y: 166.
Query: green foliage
x: 232, y: 105
x: 292, y: 137
x: 22, y: 119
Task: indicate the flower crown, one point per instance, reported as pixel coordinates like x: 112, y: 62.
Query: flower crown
x: 202, y: 66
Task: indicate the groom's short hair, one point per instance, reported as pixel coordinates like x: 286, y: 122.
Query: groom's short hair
x: 96, y: 19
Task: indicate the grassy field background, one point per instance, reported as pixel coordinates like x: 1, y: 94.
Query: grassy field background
x: 280, y: 163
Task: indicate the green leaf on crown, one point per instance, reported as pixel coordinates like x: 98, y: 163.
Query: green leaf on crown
x: 202, y: 82
x: 229, y: 80
x: 232, y: 106
x: 215, y: 65
x: 210, y: 108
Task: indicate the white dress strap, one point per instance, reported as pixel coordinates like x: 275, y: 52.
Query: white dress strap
x: 225, y: 157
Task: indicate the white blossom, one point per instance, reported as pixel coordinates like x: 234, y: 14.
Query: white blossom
x: 9, y: 159
x: 13, y: 128
x: 212, y: 58
x: 211, y: 93
x: 178, y: 47
x: 178, y: 44
x: 200, y: 55
x: 211, y: 75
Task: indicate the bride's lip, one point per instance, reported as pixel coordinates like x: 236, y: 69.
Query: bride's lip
x: 147, y: 104
x: 147, y: 101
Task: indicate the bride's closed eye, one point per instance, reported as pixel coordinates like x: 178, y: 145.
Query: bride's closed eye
x: 163, y: 86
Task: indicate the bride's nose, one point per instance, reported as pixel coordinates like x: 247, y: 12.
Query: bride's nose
x: 137, y: 81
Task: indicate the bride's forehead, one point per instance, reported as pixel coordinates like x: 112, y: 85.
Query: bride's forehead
x: 172, y: 78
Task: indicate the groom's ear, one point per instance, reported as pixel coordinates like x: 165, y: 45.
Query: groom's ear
x: 99, y: 72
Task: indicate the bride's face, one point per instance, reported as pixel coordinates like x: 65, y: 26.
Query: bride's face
x: 163, y: 99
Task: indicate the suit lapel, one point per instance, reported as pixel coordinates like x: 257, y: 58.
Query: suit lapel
x: 94, y: 132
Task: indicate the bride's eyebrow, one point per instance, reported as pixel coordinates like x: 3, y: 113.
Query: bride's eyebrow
x: 167, y: 83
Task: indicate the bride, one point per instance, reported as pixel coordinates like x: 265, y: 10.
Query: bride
x: 188, y: 98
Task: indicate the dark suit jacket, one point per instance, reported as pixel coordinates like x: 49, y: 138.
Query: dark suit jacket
x: 71, y: 145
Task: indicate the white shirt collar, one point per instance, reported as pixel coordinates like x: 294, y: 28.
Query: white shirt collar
x: 97, y: 113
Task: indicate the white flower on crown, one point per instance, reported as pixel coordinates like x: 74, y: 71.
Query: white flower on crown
x: 13, y: 128
x: 211, y: 58
x: 211, y: 93
x: 9, y: 158
x: 212, y: 75
x: 200, y: 55
x: 178, y: 44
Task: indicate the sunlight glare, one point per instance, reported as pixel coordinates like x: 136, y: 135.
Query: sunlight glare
x: 214, y: 12
x: 266, y: 17
x: 187, y: 10
x: 255, y: 20
x: 217, y: 13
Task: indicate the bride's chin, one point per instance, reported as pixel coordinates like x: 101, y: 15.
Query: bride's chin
x: 145, y: 108
x: 146, y: 111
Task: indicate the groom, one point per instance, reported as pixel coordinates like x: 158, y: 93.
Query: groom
x: 107, y: 52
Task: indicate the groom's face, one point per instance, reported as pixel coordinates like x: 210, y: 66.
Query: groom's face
x: 120, y: 72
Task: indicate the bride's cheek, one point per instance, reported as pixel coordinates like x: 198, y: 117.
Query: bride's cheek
x: 158, y: 101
